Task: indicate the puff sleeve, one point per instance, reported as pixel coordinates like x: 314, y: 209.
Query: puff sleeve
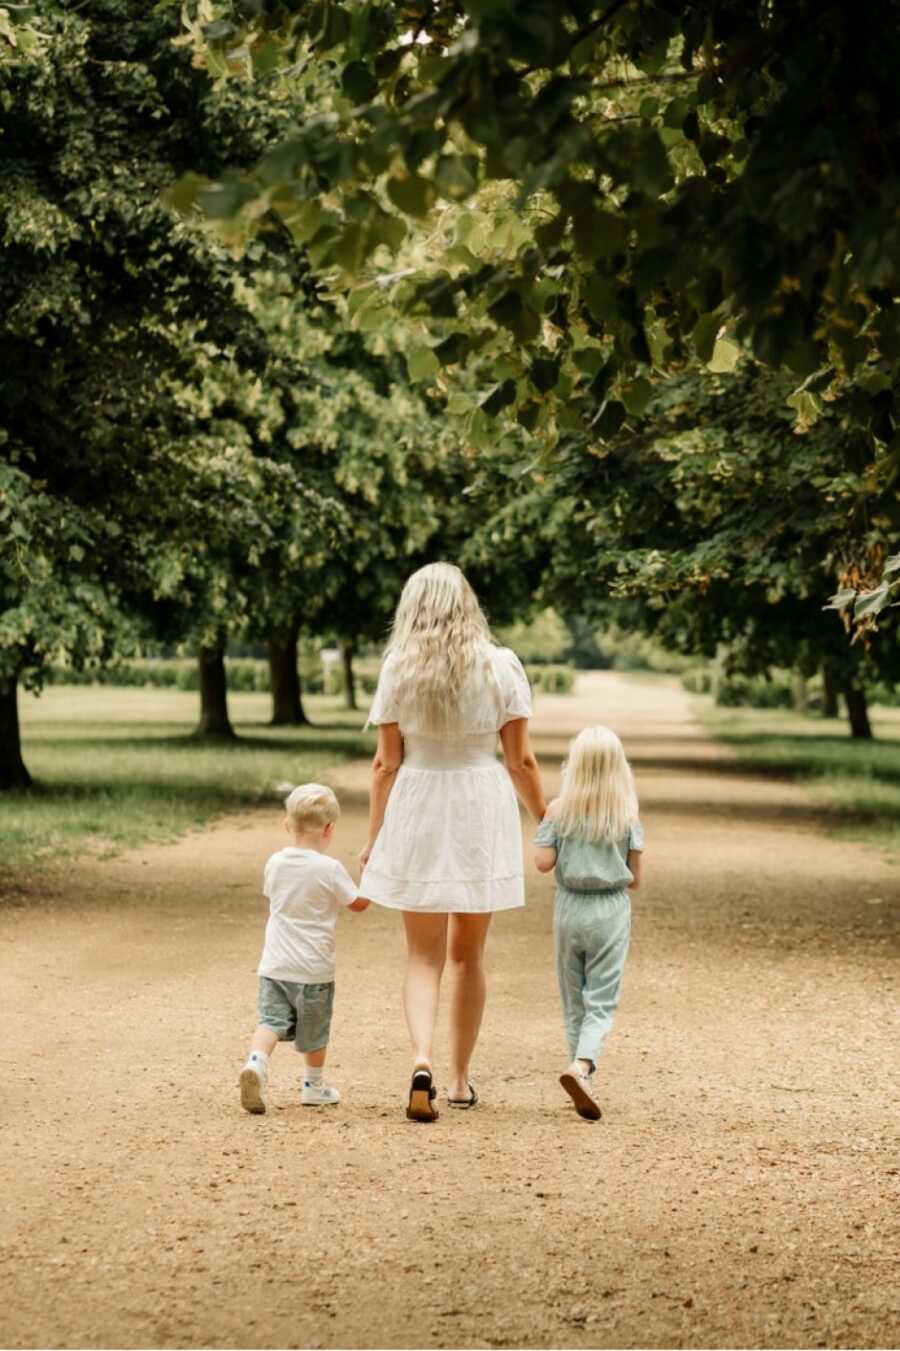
x: 546, y: 836
x: 636, y: 837
x: 515, y: 690
x: 384, y: 705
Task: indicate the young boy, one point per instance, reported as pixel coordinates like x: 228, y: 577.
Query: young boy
x: 305, y: 889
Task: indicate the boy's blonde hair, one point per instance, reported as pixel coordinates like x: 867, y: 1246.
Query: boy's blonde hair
x: 311, y: 806
x: 597, y: 798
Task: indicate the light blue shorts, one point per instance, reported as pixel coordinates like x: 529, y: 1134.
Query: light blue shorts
x: 297, y: 1013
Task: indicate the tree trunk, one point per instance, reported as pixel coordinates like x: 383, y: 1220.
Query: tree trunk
x: 284, y: 677
x: 829, y: 694
x: 717, y: 674
x: 13, y: 773
x: 214, y: 720
x: 857, y: 712
x: 347, y: 653
x: 799, y: 694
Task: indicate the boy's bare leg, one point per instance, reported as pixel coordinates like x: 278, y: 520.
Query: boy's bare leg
x: 314, y: 1060
x: 264, y: 1039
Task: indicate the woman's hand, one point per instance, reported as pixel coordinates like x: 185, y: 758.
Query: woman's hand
x: 364, y: 855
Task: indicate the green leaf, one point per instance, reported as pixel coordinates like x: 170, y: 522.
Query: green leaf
x: 421, y: 363
x: 455, y: 176
x: 704, y: 335
x: 637, y: 395
x: 725, y: 357
x: 185, y: 194
x: 358, y: 82
x: 600, y: 298
x: 840, y: 600
x: 413, y: 194
x: 871, y: 602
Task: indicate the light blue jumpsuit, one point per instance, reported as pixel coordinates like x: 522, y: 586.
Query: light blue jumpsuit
x: 592, y: 926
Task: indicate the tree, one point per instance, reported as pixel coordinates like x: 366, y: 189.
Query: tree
x: 110, y: 312
x: 719, y: 519
x: 664, y: 183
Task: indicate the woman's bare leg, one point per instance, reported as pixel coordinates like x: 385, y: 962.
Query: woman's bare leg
x: 426, y: 946
x: 468, y: 934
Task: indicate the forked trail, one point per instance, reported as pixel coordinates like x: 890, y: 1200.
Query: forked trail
x: 741, y: 1190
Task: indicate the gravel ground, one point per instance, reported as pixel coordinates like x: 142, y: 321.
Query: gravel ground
x: 741, y: 1189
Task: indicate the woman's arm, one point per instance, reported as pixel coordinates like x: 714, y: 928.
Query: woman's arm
x: 522, y: 766
x: 388, y: 759
x: 634, y: 865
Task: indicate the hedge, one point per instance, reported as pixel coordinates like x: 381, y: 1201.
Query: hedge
x: 247, y: 673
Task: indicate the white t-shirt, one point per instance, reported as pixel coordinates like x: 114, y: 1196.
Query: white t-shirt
x: 306, y: 889
x: 495, y: 693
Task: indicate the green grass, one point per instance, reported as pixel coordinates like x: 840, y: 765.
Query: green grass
x: 118, y: 767
x: 858, y: 780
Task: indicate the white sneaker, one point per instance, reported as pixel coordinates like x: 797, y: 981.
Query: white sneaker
x: 254, y: 1082
x: 317, y: 1095
x: 580, y: 1088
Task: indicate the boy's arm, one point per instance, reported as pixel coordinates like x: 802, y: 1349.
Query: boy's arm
x: 346, y: 890
x: 634, y: 867
x: 545, y: 841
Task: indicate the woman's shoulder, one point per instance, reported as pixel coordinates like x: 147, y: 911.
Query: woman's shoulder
x: 505, y: 659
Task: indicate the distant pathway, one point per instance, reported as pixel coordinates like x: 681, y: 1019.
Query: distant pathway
x: 742, y: 1189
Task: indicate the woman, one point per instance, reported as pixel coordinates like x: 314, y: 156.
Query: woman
x: 445, y: 842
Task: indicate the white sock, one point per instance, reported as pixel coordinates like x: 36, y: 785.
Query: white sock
x: 259, y: 1056
x: 313, y: 1077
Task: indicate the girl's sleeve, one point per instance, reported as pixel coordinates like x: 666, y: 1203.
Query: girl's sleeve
x: 636, y: 837
x: 384, y: 705
x: 514, y: 687
x: 546, y: 835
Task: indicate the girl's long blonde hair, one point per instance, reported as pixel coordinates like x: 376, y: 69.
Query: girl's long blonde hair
x: 597, y: 798
x: 439, y: 638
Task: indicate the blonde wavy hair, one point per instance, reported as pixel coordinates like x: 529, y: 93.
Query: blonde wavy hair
x: 597, y: 798
x: 439, y: 637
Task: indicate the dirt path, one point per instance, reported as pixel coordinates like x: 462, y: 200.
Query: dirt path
x: 741, y: 1190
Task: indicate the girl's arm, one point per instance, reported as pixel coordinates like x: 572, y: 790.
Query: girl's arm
x: 522, y: 766
x: 634, y: 865
x: 388, y: 759
x: 545, y: 854
x: 545, y: 858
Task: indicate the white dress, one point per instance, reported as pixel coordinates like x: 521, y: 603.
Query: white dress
x: 451, y: 838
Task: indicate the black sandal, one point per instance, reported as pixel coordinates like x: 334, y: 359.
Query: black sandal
x: 422, y: 1094
x: 465, y: 1103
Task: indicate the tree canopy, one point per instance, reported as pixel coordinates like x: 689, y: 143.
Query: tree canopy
x: 572, y: 199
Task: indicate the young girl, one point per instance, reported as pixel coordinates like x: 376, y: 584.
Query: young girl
x: 592, y: 836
